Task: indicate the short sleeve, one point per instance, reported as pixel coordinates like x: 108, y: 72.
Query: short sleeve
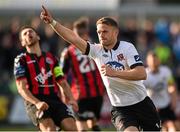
x: 133, y: 58
x: 92, y: 50
x: 169, y: 75
x: 19, y: 67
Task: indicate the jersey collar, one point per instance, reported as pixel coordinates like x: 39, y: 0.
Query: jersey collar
x: 114, y: 48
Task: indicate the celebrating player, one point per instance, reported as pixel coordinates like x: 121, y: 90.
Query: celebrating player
x: 122, y: 71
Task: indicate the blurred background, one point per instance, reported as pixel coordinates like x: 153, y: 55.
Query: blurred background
x: 148, y: 24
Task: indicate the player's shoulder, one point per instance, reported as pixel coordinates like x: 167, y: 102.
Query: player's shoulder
x: 148, y: 71
x: 50, y: 56
x: 164, y: 69
x: 65, y: 51
x: 19, y: 59
x: 20, y: 56
x: 96, y: 45
x: 126, y: 44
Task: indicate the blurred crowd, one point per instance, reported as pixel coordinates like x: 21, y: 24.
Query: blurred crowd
x: 161, y: 35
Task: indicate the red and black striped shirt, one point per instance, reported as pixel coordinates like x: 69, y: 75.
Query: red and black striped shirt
x: 84, y: 74
x: 39, y: 72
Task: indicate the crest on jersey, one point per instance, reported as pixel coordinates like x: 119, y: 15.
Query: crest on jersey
x: 49, y: 60
x: 120, y: 57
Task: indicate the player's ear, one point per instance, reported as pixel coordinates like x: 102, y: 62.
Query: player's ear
x: 38, y: 37
x: 117, y: 30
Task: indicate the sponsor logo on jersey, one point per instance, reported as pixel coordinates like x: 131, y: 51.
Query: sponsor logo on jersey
x: 42, y: 77
x: 116, y: 65
x: 137, y: 58
x: 105, y: 55
x: 31, y: 61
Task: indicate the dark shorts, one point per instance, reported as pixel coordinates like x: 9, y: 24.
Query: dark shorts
x: 57, y: 112
x: 142, y: 115
x: 167, y: 114
x: 89, y: 108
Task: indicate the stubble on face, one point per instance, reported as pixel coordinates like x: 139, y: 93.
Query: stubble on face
x: 29, y: 37
x: 106, y: 35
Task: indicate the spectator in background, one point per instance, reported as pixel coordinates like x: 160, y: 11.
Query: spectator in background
x: 162, y: 31
x: 36, y: 24
x: 129, y: 33
x: 38, y: 79
x: 164, y: 53
x: 142, y: 45
x: 162, y: 90
x: 148, y: 28
x: 8, y: 51
x: 50, y: 42
x: 175, y: 33
x: 86, y: 83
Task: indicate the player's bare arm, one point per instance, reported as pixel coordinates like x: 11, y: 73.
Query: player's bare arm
x: 130, y: 74
x: 174, y: 95
x: 26, y: 94
x: 67, y: 92
x: 62, y: 31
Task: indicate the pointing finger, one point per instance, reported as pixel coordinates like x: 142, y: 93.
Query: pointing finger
x: 44, y: 9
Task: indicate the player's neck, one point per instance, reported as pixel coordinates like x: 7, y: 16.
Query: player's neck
x: 110, y: 46
x: 35, y: 49
x: 155, y: 70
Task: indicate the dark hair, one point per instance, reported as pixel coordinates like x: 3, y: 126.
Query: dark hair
x: 81, y: 25
x: 25, y: 27
x: 107, y: 21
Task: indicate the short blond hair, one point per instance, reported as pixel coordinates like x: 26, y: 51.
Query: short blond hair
x: 108, y: 21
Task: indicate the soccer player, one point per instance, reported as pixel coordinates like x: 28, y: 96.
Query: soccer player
x: 38, y: 75
x: 86, y: 83
x: 162, y: 90
x: 122, y: 72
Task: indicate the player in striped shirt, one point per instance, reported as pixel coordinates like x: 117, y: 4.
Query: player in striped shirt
x: 37, y: 77
x: 86, y: 83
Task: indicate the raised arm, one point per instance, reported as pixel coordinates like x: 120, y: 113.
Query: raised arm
x: 67, y: 34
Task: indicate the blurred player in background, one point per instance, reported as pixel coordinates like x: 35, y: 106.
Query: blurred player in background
x: 162, y: 90
x: 122, y: 72
x: 86, y: 83
x: 38, y: 75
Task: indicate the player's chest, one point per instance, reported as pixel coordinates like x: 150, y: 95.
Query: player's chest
x: 37, y: 63
x: 116, y: 59
x: 157, y: 79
